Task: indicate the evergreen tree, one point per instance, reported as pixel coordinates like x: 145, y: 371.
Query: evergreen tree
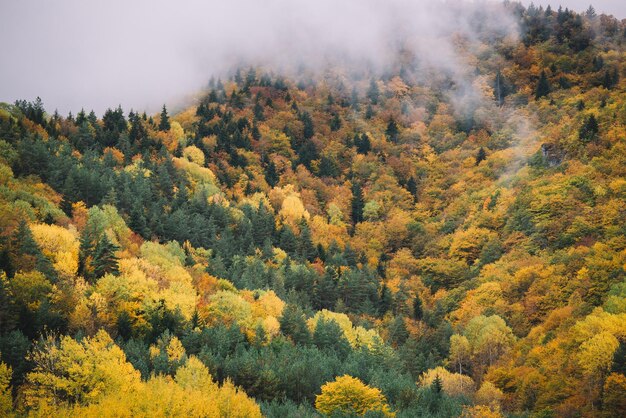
x: 164, y: 123
x: 358, y: 203
x: 481, y: 156
x: 293, y: 325
x: 386, y: 300
x: 349, y: 255
x: 258, y: 112
x: 543, y: 86
x: 589, y: 129
x: 373, y: 93
x: 288, y: 241
x: 271, y: 175
x: 363, y: 144
x: 335, y: 123
x: 326, y: 290
x: 104, y: 258
x: 255, y: 133
x: 8, y: 313
x: 328, y: 167
x: 392, y: 131
x: 418, y: 312
x: 329, y: 336
x: 25, y: 253
x: 354, y: 99
x: 610, y: 78
x: 307, y: 122
x: 306, y: 248
x: 411, y: 186
x: 437, y: 385
x: 381, y: 267
x: 263, y: 225
x: 400, y: 301
x: 114, y: 125
x: 501, y: 88
x: 81, y: 117
x: 137, y: 131
x: 398, y: 334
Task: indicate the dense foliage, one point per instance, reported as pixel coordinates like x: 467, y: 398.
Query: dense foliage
x: 305, y: 245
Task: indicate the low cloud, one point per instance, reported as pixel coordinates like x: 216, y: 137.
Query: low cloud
x: 139, y: 54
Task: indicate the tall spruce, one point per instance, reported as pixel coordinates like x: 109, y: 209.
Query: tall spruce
x: 358, y: 203
x: 104, y: 259
x: 543, y: 86
x: 164, y: 123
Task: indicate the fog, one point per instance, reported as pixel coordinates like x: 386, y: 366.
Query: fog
x: 96, y: 54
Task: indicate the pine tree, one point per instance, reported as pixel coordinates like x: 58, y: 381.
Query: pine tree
x: 81, y: 117
x: 385, y: 301
x: 373, y: 92
x: 256, y: 135
x: 381, y: 267
x: 307, y: 122
x: 418, y: 312
x: 164, y: 124
x: 481, y: 156
x: 104, y: 258
x: 354, y: 99
x: 328, y: 335
x: 288, y: 241
x: 610, y: 79
x: 8, y: 314
x: 392, y: 131
x: 335, y: 123
x: 589, y: 129
x: 398, y: 334
x: 358, y: 203
x: 271, y: 174
x: 306, y: 248
x: 293, y: 325
x: 411, y: 186
x: 363, y: 144
x: 326, y: 290
x: 258, y: 112
x: 437, y: 385
x: 26, y: 255
x: 500, y: 88
x: 543, y: 86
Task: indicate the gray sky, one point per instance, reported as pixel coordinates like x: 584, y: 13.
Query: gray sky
x: 615, y: 7
x: 142, y: 53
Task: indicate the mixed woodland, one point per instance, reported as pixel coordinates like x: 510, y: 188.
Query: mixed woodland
x: 357, y: 243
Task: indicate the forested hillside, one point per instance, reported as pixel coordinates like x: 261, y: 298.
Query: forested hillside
x: 347, y: 244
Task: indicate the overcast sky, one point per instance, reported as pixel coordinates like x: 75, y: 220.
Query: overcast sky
x: 615, y: 7
x: 97, y: 54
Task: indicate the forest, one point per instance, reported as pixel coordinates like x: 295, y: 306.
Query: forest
x: 352, y: 244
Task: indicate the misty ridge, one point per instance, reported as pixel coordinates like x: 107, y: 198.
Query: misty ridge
x: 144, y: 53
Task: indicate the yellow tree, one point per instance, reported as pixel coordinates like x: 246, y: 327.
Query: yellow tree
x: 489, y: 337
x: 453, y: 384
x: 6, y: 400
x: 348, y: 395
x: 595, y: 356
x: 460, y: 351
x: 192, y: 393
x: 69, y: 371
